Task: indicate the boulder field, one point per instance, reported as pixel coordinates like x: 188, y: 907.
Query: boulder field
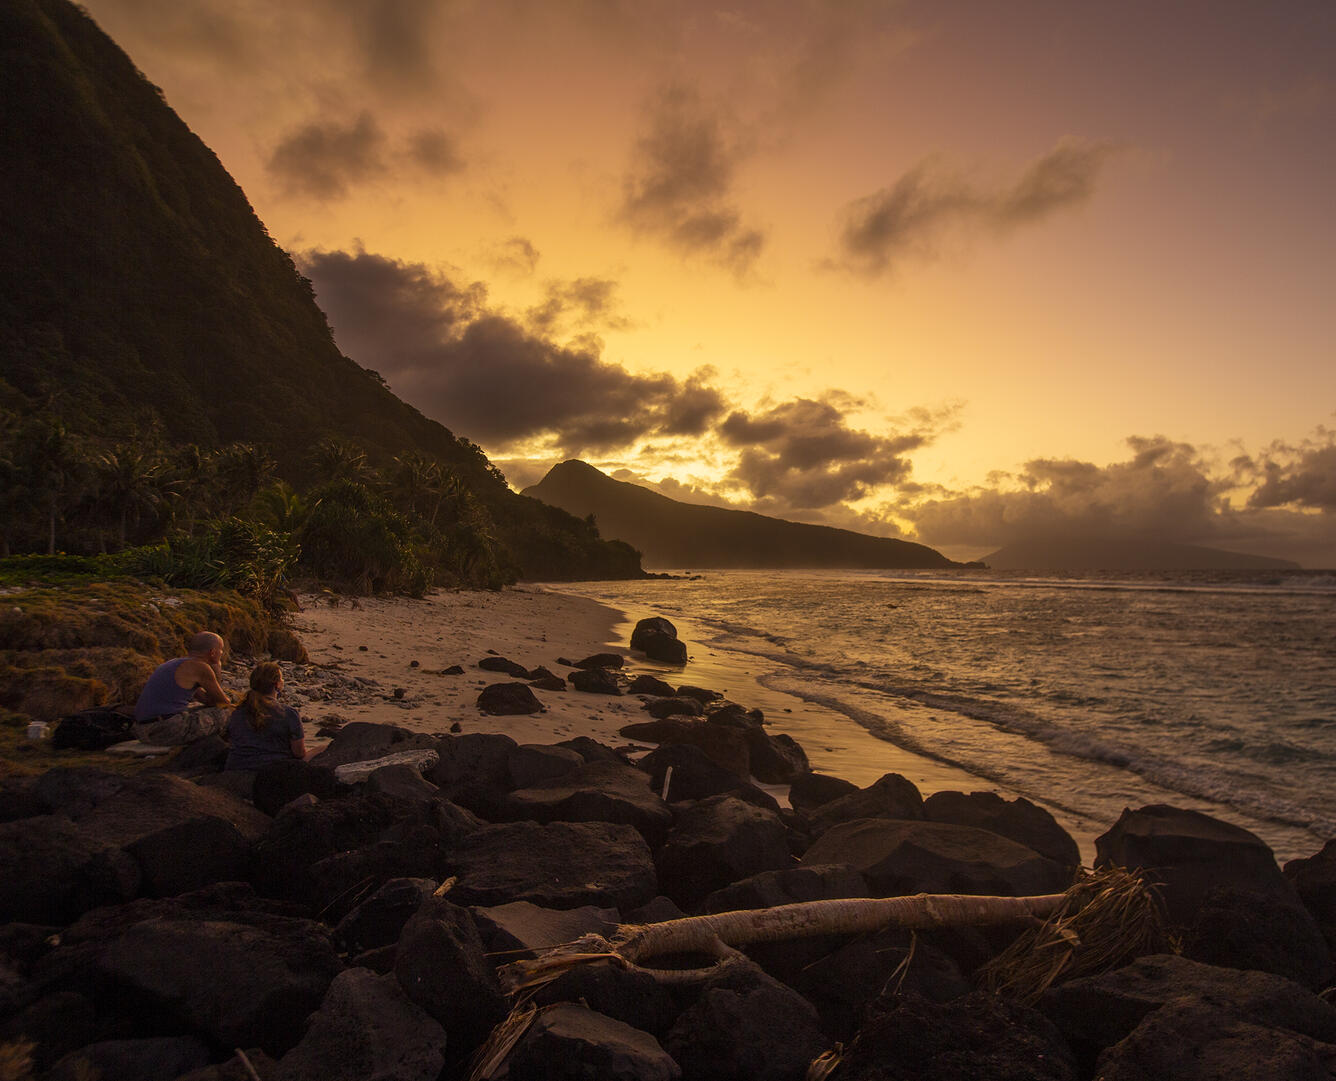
x: 369, y: 913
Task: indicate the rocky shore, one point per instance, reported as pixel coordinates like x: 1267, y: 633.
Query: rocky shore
x: 418, y: 904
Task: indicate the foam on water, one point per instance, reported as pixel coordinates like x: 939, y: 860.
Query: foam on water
x: 1216, y: 691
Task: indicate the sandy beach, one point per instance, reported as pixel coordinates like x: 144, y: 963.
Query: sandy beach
x: 364, y: 650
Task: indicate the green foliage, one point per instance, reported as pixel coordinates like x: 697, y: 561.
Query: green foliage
x: 355, y: 538
x: 229, y: 554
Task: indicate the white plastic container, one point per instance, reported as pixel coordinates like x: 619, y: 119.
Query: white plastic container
x: 39, y: 730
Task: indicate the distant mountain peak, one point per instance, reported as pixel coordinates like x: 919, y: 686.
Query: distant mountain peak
x: 671, y: 533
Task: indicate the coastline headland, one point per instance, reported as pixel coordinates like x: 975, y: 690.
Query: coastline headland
x: 523, y: 847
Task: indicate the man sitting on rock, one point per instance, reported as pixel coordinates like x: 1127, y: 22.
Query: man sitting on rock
x: 163, y: 713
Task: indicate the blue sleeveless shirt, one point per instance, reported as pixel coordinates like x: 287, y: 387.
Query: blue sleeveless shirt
x: 161, y: 697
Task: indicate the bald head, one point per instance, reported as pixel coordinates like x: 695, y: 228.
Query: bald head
x: 205, y: 642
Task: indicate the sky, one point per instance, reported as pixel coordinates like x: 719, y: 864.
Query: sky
x: 968, y: 273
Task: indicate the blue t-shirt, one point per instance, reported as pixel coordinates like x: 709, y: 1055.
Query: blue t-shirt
x: 272, y: 743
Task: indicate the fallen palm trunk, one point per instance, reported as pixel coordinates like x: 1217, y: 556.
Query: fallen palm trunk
x: 1105, y: 919
x: 720, y: 934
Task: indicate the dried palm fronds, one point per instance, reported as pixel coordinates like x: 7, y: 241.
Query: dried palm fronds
x: 1107, y: 919
x: 825, y: 1064
x: 502, y: 1040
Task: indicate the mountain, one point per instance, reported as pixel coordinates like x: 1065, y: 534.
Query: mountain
x: 1102, y: 554
x: 669, y: 533
x: 138, y: 289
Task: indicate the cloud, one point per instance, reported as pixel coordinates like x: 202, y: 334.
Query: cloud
x: 323, y: 159
x: 515, y: 256
x: 582, y: 302
x: 435, y: 151
x: 803, y: 455
x: 1302, y: 477
x: 482, y: 373
x: 679, y: 186
x: 934, y: 202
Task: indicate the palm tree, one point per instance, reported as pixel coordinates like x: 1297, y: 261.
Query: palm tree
x: 53, y: 468
x: 280, y: 508
x: 416, y: 484
x: 129, y: 483
x: 241, y: 470
x: 336, y: 460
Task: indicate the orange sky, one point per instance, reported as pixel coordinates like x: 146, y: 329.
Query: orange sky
x: 931, y: 264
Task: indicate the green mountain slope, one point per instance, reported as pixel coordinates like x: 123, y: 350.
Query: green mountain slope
x: 137, y: 284
x: 669, y: 533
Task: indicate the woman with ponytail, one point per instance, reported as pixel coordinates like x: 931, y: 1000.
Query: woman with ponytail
x: 261, y: 730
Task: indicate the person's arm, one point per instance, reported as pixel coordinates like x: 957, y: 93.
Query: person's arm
x: 298, y: 743
x: 208, y: 690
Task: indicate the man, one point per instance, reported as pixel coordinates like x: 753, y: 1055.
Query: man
x: 163, y: 713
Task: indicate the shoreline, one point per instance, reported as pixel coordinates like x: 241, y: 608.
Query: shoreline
x: 535, y: 624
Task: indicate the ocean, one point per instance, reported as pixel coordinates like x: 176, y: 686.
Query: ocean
x: 1084, y: 693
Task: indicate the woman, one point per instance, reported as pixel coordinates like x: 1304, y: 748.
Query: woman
x: 262, y: 731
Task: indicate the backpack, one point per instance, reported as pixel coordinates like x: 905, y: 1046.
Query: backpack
x: 92, y: 729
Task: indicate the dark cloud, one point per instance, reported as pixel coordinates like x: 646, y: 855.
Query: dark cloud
x: 435, y: 151
x: 1303, y: 477
x: 582, y: 302
x: 484, y: 374
x: 1164, y: 490
x: 934, y: 202
x: 679, y: 187
x: 803, y: 455
x: 516, y: 256
x: 395, y: 40
x: 323, y: 159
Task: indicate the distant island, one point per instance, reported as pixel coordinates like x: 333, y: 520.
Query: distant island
x: 1108, y: 554
x: 669, y: 533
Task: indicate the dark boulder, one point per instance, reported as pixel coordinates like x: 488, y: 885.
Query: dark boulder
x: 1191, y: 1041
x: 1191, y: 857
x: 596, y: 681
x: 503, y: 664
x: 533, y: 763
x: 154, y: 1058
x: 596, y: 792
x: 632, y: 996
x: 509, y: 700
x: 726, y: 747
x: 57, y: 1023
x: 1248, y: 929
x: 548, y: 683
x: 1018, y: 819
x: 696, y: 776
x: 54, y: 871
x: 1095, y: 1012
x: 889, y: 796
x: 567, y: 1042
x: 401, y: 781
x: 715, y: 843
x: 279, y: 783
x: 364, y: 741
x: 746, y: 1026
x: 264, y: 975
x: 441, y: 965
x: 846, y: 980
x: 189, y: 856
x: 651, y: 685
x: 664, y: 648
x: 674, y: 707
x: 776, y: 759
x: 366, y: 1027
x: 561, y: 865
x: 479, y: 758
x: 977, y: 1037
x: 591, y: 750
x: 1314, y: 879
x: 809, y: 791
x: 204, y: 756
x: 601, y: 660
x: 933, y: 857
x: 649, y: 627
x: 520, y: 928
x: 701, y: 694
x: 379, y: 920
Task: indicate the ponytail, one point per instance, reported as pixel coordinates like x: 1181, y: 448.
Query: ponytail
x: 263, y: 681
